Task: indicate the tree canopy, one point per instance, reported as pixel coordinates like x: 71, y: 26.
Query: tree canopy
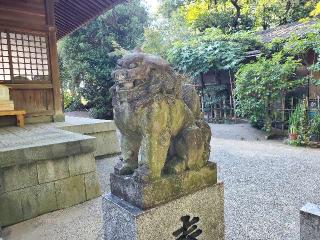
x: 181, y: 23
x: 89, y: 55
x: 212, y: 50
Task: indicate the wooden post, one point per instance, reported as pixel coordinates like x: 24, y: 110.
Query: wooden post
x: 215, y: 111
x: 283, y: 106
x: 20, y: 120
x: 231, y: 107
x: 54, y: 66
x: 224, y: 109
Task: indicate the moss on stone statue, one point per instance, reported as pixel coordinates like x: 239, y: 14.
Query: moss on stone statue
x: 165, y: 141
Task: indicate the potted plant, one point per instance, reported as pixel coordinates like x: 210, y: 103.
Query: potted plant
x: 293, y: 133
x: 294, y: 124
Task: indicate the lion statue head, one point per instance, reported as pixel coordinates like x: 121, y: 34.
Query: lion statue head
x: 139, y: 77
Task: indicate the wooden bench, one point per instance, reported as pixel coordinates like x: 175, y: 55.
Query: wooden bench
x: 18, y: 113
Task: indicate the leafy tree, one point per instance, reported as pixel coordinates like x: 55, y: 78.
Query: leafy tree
x: 270, y: 13
x: 167, y: 7
x: 235, y: 15
x: 316, y: 11
x: 261, y: 84
x: 89, y: 55
x: 161, y: 36
x: 227, y: 15
x: 211, y: 50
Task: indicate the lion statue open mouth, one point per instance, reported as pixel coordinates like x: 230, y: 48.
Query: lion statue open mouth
x: 161, y: 124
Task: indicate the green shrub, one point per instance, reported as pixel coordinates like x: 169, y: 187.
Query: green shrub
x: 315, y: 126
x: 299, y: 124
x: 261, y: 84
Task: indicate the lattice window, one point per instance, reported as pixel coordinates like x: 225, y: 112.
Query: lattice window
x: 5, y: 74
x: 27, y: 57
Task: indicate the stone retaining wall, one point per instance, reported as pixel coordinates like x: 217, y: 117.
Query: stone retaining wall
x: 103, y: 130
x: 46, y: 167
x: 29, y: 190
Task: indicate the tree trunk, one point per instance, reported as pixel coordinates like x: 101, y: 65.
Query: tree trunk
x: 284, y: 20
x: 238, y: 13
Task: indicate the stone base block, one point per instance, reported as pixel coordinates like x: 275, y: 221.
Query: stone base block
x: 199, y: 215
x: 145, y: 195
x: 310, y: 222
x: 30, y: 190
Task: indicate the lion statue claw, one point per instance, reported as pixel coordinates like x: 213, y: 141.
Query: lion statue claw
x: 160, y: 121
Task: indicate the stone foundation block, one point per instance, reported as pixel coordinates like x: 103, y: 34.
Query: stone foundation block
x: 310, y: 222
x: 92, y: 186
x: 19, y: 176
x: 70, y: 191
x: 104, y: 132
x: 38, y: 200
x: 107, y: 143
x: 80, y: 164
x: 1, y: 183
x: 53, y: 170
x: 10, y: 208
x: 199, y: 215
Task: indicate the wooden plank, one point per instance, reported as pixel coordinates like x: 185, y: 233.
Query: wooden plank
x: 19, y: 116
x: 33, y: 100
x: 27, y: 14
x: 9, y: 15
x: 30, y: 6
x: 24, y: 11
x: 43, y: 113
x: 23, y: 26
x: 30, y: 86
x: 12, y: 113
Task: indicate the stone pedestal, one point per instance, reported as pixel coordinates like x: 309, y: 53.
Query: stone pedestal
x: 145, y: 195
x: 310, y: 222
x: 199, y: 215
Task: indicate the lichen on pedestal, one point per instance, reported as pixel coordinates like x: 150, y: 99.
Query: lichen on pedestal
x: 165, y: 141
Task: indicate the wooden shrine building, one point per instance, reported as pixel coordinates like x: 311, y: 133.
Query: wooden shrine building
x: 44, y: 167
x: 29, y: 30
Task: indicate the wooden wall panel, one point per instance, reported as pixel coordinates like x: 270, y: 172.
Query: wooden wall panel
x: 34, y: 101
x: 41, y: 100
x: 25, y: 13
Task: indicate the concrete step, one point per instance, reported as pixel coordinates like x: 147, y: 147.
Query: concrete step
x: 35, y: 143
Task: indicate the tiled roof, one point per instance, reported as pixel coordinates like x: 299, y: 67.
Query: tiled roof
x: 285, y: 31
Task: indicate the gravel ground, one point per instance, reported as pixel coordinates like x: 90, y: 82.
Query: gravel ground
x: 266, y: 183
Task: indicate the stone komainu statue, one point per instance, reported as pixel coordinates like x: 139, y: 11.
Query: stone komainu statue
x: 161, y: 124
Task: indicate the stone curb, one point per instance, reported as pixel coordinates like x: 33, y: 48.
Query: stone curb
x: 83, y: 126
x: 83, y: 144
